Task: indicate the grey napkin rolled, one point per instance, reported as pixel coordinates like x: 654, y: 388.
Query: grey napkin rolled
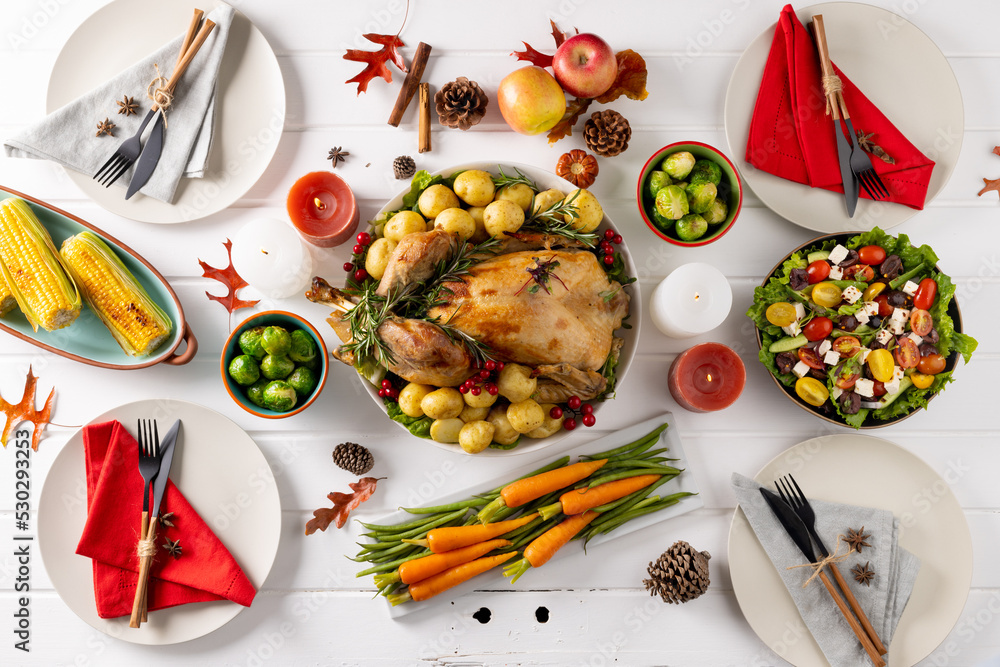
x: 883, y: 601
x: 67, y: 135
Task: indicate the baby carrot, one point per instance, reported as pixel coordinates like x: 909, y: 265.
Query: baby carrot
x: 448, y: 538
x: 438, y: 583
x: 531, y: 488
x: 576, y: 501
x: 416, y: 570
x: 548, y: 543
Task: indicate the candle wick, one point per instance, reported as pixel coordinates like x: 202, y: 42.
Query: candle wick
x: 264, y: 251
x: 319, y: 203
x: 696, y: 296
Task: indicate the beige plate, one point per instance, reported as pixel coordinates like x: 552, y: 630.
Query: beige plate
x: 862, y: 470
x: 895, y: 64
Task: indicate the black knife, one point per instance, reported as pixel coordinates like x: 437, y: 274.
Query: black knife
x: 160, y: 481
x: 149, y: 157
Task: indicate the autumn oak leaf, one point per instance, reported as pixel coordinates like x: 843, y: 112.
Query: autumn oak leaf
x: 574, y: 109
x: 631, y: 79
x: 996, y: 150
x: 343, y: 503
x: 230, y: 279
x: 991, y: 186
x: 534, y: 57
x: 376, y: 62
x: 25, y: 411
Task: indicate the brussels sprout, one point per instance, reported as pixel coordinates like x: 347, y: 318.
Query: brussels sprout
x: 664, y: 224
x: 702, y: 195
x: 303, y: 347
x: 706, y: 171
x: 279, y: 396
x: 250, y: 343
x: 691, y: 227
x: 276, y: 367
x: 275, y: 340
x: 717, y: 212
x: 255, y: 392
x: 657, y: 181
x: 302, y: 380
x: 678, y: 164
x: 672, y: 202
x: 244, y: 369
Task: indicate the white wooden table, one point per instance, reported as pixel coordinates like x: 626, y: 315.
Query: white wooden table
x: 311, y: 609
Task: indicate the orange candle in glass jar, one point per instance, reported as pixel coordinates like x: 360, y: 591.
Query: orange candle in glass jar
x: 322, y: 208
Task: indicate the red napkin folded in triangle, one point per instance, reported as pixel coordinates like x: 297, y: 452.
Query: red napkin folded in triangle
x: 206, y: 570
x: 792, y: 137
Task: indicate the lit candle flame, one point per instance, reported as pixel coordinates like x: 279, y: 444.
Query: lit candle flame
x: 318, y: 203
x: 708, y: 377
x: 263, y: 252
x: 696, y: 296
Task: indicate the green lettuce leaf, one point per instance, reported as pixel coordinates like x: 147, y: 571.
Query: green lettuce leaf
x: 767, y: 358
x: 421, y: 181
x: 497, y: 445
x: 418, y: 426
x: 913, y: 398
x: 763, y: 297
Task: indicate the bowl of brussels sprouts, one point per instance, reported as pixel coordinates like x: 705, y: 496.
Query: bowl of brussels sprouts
x: 689, y: 194
x: 274, y: 364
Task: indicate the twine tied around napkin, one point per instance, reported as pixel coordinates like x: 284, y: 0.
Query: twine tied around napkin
x: 831, y: 559
x: 158, y: 91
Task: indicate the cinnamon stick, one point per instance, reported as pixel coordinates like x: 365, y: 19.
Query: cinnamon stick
x: 410, y: 83
x: 425, y: 118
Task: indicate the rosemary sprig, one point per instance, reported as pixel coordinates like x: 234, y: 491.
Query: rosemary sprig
x: 477, y: 349
x: 451, y: 270
x: 364, y: 319
x: 504, y: 181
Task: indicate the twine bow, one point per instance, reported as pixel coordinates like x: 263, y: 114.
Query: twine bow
x: 818, y: 566
x: 158, y: 91
x: 832, y: 86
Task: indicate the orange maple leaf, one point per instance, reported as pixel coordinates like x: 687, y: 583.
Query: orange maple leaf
x: 996, y: 150
x: 376, y: 61
x: 574, y: 109
x: 343, y: 503
x: 993, y: 185
x: 230, y: 279
x: 25, y: 411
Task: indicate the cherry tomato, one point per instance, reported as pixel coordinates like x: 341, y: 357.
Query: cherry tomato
x: 812, y: 391
x: 846, y: 346
x: 932, y: 364
x: 921, y: 380
x: 810, y: 357
x: 878, y: 388
x: 780, y: 314
x: 872, y: 291
x: 921, y: 322
x: 881, y: 365
x: 871, y: 254
x: 818, y: 271
x: 861, y: 272
x: 846, y: 378
x: 884, y: 309
x: 906, y: 353
x: 827, y: 295
x: 924, y: 297
x: 818, y: 328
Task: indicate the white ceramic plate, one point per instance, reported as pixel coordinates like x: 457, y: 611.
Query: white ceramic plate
x: 215, y: 461
x: 862, y: 470
x: 895, y: 64
x: 683, y: 482
x: 544, y: 180
x: 250, y: 102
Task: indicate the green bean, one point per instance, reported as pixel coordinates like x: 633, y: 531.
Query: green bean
x: 457, y: 514
x: 388, y: 567
x: 608, y: 507
x: 522, y: 530
x: 531, y: 537
x: 901, y: 280
x: 388, y: 553
x: 654, y: 505
x: 628, y: 447
x: 639, y: 452
x: 635, y: 472
x: 451, y: 507
x: 631, y: 501
x: 398, y: 527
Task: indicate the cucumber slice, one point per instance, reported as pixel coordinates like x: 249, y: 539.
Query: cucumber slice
x: 817, y: 255
x: 904, y: 384
x: 788, y: 344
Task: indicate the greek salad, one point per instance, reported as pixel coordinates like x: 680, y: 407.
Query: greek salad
x: 859, y: 327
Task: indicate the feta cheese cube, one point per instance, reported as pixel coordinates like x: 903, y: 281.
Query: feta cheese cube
x: 835, y: 394
x: 862, y: 316
x: 824, y: 347
x: 865, y: 387
x: 871, y: 308
x: 792, y: 329
x: 864, y: 354
x: 851, y: 294
x: 800, y: 311
x: 915, y: 338
x: 831, y: 358
x: 838, y: 254
x: 883, y: 336
x: 836, y: 273
x: 910, y: 287
x: 800, y: 369
x: 899, y: 315
x: 897, y: 373
x: 896, y: 327
x: 892, y: 386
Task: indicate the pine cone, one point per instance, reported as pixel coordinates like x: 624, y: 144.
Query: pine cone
x: 607, y: 132
x: 404, y: 166
x: 353, y: 458
x: 461, y: 103
x: 680, y: 573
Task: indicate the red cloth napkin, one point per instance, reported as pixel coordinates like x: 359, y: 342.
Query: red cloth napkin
x: 792, y: 137
x: 206, y: 570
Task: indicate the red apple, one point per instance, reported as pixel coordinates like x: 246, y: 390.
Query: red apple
x: 585, y: 65
x: 530, y: 100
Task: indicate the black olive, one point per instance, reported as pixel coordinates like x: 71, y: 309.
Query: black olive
x: 848, y: 323
x: 850, y: 403
x: 850, y: 260
x: 897, y: 299
x: 875, y: 322
x: 818, y: 374
x: 785, y: 361
x: 928, y: 349
x: 798, y: 279
x: 932, y: 337
x: 891, y: 267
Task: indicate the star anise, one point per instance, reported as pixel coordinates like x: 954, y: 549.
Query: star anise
x: 863, y: 574
x: 337, y: 154
x: 127, y: 105
x: 173, y: 547
x: 105, y: 127
x: 857, y: 539
x: 867, y: 145
x: 167, y: 519
x: 541, y: 274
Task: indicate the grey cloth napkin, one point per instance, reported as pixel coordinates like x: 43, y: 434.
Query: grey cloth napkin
x: 66, y: 136
x: 895, y: 570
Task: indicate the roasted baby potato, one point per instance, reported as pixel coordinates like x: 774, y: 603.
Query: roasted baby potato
x: 377, y: 258
x: 519, y: 193
x: 456, y: 221
x: 403, y: 223
x: 549, y: 426
x: 476, y: 436
x: 443, y: 403
x: 525, y: 416
x: 446, y: 430
x: 410, y: 397
x: 515, y: 383
x: 589, y: 211
x: 504, y: 433
x: 435, y: 199
x: 471, y: 414
x: 475, y: 187
x: 502, y: 216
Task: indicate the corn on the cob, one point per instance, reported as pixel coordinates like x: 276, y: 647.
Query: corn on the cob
x: 32, y: 269
x: 132, y: 317
x: 7, y: 300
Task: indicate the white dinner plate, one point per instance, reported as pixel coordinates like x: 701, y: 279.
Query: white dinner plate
x: 895, y: 64
x: 249, y: 109
x: 215, y: 463
x: 862, y: 470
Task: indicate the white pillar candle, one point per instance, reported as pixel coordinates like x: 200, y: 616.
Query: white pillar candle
x: 269, y: 255
x: 694, y: 299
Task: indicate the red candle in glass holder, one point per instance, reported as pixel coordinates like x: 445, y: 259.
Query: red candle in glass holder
x: 322, y: 208
x: 707, y: 377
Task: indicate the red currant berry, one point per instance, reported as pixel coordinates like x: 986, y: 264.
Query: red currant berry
x: 476, y: 391
x: 607, y: 248
x: 484, y: 375
x: 358, y: 249
x: 589, y: 420
x: 555, y: 412
x: 609, y: 259
x: 609, y: 234
x: 348, y: 266
x: 464, y: 389
x: 574, y: 402
x: 360, y: 275
x: 364, y: 238
x: 490, y: 365
x: 587, y: 409
x: 618, y: 239
x: 569, y: 423
x: 386, y: 384
x: 492, y: 389
x: 381, y: 393
x: 392, y: 393
x: 499, y: 366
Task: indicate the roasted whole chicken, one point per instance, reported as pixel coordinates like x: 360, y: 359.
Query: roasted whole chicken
x: 563, y: 329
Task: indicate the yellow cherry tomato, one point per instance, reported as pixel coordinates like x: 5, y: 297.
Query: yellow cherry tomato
x: 872, y: 291
x: 827, y: 295
x: 881, y: 364
x: 812, y: 391
x: 921, y: 380
x: 780, y: 314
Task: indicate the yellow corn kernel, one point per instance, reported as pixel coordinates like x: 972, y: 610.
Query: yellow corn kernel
x: 7, y: 300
